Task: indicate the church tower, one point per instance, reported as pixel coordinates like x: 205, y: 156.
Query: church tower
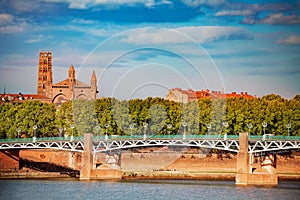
x: 45, y: 74
x: 71, y: 76
x: 94, y: 85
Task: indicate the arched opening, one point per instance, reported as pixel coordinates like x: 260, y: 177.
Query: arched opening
x: 81, y: 96
x: 59, y: 99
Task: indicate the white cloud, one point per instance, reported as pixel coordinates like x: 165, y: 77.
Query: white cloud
x: 12, y: 24
x: 246, y: 12
x: 7, y: 24
x: 280, y: 18
x: 291, y: 40
x: 259, y: 7
x: 273, y: 18
x: 11, y: 29
x: 30, y: 41
x: 82, y: 21
x: 37, y: 38
x: 5, y: 19
x: 85, y: 4
x: 202, y: 34
x: 91, y: 30
x: 196, y: 3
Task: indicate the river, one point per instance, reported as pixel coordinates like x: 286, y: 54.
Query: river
x: 32, y: 189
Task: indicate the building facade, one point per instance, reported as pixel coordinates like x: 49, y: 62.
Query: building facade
x: 65, y: 90
x: 184, y: 96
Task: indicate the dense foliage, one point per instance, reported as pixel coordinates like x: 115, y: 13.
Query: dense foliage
x: 161, y: 117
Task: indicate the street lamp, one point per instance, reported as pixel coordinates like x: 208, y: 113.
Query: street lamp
x: 264, y: 124
x: 131, y: 126
x: 288, y: 126
x: 60, y: 130
x: 225, y: 124
x: 72, y: 127
x: 208, y: 126
x: 106, y: 127
x: 169, y: 126
x: 34, y: 133
x: 184, y: 124
x: 145, y: 125
x: 249, y: 127
x: 97, y: 130
x: 18, y: 131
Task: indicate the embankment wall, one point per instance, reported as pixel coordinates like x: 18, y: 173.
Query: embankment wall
x: 143, y: 161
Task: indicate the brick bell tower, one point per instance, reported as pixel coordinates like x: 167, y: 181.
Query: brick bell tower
x: 45, y: 74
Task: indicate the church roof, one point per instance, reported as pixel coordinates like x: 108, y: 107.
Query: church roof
x: 67, y: 81
x: 80, y: 84
x: 61, y: 83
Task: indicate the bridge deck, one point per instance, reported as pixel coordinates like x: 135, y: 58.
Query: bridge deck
x: 257, y: 144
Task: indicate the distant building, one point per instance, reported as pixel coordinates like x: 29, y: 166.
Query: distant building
x: 184, y: 96
x: 65, y: 90
x: 20, y: 98
x: 57, y: 93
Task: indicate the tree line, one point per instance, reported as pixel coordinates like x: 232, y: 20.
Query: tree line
x: 153, y: 116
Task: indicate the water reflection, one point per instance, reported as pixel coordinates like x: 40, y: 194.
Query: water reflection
x: 139, y: 189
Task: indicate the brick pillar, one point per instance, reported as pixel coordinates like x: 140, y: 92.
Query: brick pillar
x: 87, y: 157
x: 243, y: 166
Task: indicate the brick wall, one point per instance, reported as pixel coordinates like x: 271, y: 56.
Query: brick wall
x: 9, y: 160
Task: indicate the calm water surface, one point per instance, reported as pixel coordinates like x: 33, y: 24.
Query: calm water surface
x: 166, y: 189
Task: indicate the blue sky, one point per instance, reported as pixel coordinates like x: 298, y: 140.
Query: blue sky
x: 143, y: 48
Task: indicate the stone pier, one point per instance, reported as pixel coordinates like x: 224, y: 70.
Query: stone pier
x: 266, y: 175
x: 87, y: 157
x: 88, y: 167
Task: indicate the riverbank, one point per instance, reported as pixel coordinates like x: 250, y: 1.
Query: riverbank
x: 196, y: 175
x: 35, y: 175
x: 144, y: 175
x: 177, y: 175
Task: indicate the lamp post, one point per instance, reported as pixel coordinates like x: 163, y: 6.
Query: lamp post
x: 72, y: 136
x: 145, y: 125
x: 288, y: 126
x: 97, y: 130
x: 60, y: 130
x: 34, y: 133
x: 106, y: 127
x: 169, y: 126
x: 18, y: 131
x: 208, y: 126
x: 264, y: 124
x: 225, y: 124
x: 184, y: 124
x: 249, y: 127
x: 131, y: 126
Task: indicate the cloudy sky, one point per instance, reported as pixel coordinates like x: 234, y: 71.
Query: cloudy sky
x: 143, y: 48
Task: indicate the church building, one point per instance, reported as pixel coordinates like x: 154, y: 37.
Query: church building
x: 65, y: 90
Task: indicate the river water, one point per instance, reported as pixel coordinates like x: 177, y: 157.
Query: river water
x: 32, y: 189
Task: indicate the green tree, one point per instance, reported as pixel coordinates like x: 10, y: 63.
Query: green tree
x: 84, y: 116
